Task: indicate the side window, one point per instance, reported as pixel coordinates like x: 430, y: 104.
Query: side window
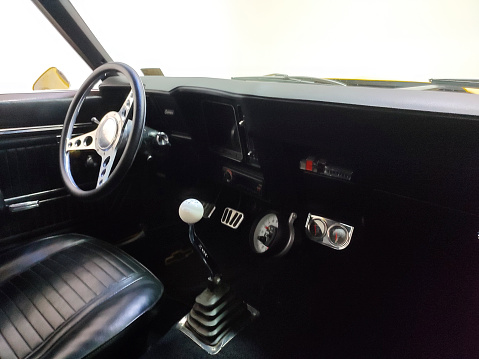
x: 30, y: 46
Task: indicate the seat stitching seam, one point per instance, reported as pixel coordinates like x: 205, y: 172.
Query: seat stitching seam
x: 51, y: 285
x: 68, y: 284
x: 98, y: 253
x: 86, y: 269
x: 76, y: 242
x: 38, y: 310
x: 44, y: 296
x: 74, y: 274
x: 100, y: 301
x: 6, y: 341
x: 115, y: 255
x: 92, y: 260
x: 108, y: 260
x: 21, y: 311
x: 13, y: 324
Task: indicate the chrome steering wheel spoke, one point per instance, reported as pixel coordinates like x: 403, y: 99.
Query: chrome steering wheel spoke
x: 125, y: 108
x: 107, y: 159
x: 82, y: 142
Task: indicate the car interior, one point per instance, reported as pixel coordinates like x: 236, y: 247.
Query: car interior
x: 167, y: 217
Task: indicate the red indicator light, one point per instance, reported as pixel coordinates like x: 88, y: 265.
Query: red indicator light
x: 309, y: 165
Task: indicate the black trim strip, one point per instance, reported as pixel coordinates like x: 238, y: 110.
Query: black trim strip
x: 71, y: 26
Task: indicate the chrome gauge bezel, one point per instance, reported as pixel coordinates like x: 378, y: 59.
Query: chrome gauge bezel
x: 316, y: 220
x: 332, y: 242
x: 325, y: 239
x: 257, y: 246
x: 282, y: 238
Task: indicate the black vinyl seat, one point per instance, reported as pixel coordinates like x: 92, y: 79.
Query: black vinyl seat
x: 69, y: 296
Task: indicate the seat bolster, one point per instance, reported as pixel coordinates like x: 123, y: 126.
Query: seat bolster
x: 20, y: 259
x: 70, y: 296
x: 99, y: 324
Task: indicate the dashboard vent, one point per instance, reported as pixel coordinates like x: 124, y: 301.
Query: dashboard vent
x: 232, y: 218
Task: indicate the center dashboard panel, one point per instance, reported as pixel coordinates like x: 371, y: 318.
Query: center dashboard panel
x: 218, y: 127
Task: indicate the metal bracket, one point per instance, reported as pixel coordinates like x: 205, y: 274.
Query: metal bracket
x: 290, y: 242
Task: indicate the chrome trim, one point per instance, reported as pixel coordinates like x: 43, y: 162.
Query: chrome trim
x: 325, y: 240
x: 34, y: 129
x: 232, y: 218
x: 54, y: 198
x: 24, y: 206
x: 32, y: 196
x: 343, y: 227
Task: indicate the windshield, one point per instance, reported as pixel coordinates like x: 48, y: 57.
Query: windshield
x: 30, y: 46
x: 406, y: 40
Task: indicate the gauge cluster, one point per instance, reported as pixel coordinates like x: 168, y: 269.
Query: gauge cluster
x: 264, y: 233
x: 273, y: 234
x: 327, y: 232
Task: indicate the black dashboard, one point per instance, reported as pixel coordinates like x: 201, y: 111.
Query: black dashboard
x: 327, y: 155
x: 419, y: 145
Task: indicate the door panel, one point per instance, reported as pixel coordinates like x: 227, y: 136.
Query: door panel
x: 30, y: 181
x: 29, y: 169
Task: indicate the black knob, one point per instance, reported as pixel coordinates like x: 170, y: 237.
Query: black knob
x: 90, y: 162
x: 228, y: 175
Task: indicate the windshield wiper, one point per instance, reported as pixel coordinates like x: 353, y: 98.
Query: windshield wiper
x: 291, y: 79
x: 453, y: 85
x: 456, y: 82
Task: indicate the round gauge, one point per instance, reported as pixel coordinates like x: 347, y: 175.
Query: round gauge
x: 317, y: 228
x: 264, y: 233
x: 338, y: 235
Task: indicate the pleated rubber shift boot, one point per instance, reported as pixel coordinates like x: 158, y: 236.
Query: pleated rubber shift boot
x: 216, y: 317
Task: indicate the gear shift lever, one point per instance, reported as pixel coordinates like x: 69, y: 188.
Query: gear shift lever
x: 217, y: 315
x: 191, y: 211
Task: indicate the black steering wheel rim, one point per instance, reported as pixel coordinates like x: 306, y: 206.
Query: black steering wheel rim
x: 134, y: 138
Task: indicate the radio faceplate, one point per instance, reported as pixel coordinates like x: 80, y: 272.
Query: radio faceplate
x: 243, y: 180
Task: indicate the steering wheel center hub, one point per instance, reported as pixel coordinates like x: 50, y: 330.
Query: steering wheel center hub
x: 107, y: 132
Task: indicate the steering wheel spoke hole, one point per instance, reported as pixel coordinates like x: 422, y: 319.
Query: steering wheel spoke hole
x: 88, y: 141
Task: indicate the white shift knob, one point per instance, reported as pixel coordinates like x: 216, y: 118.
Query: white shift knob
x: 191, y: 211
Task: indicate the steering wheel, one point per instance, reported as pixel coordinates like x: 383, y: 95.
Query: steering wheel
x: 107, y: 137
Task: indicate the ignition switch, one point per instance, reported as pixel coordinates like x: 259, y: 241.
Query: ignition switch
x: 162, y: 139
